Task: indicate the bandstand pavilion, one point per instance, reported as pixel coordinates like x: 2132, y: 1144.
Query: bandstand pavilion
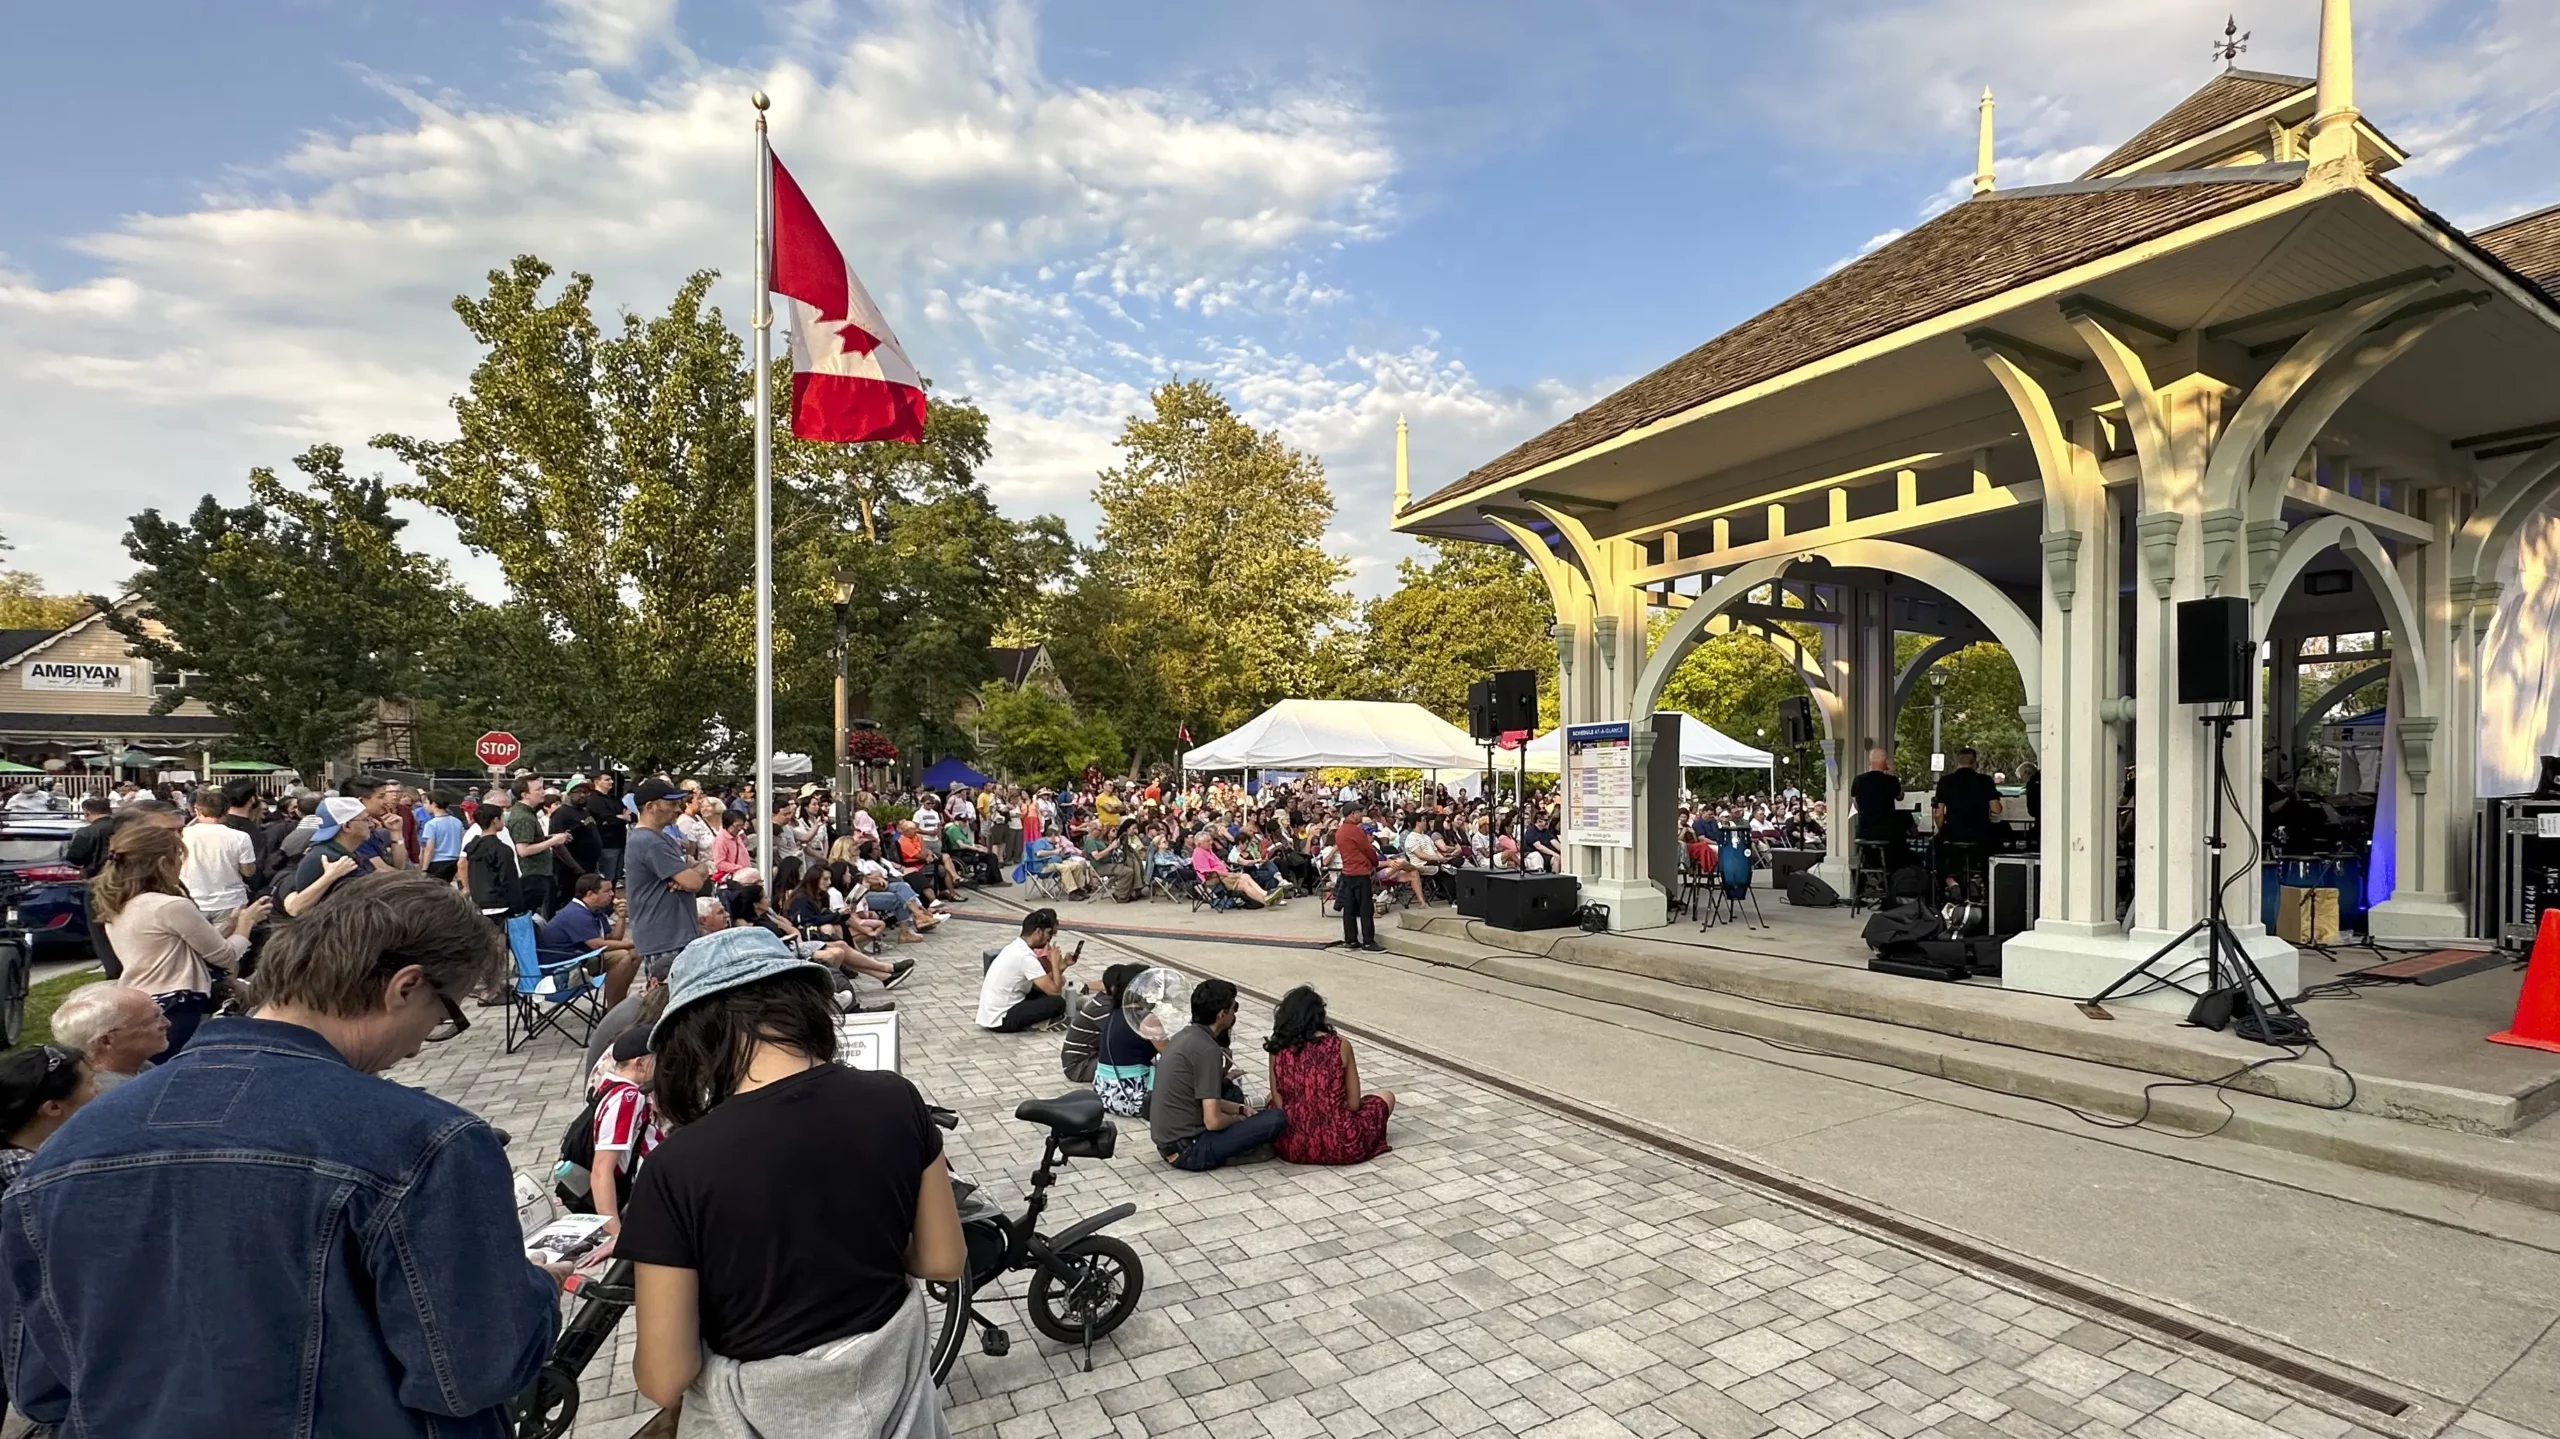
x: 2233, y: 355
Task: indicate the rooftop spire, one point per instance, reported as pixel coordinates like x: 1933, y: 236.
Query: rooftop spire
x: 1982, y: 148
x: 2333, y: 116
x: 1404, y: 479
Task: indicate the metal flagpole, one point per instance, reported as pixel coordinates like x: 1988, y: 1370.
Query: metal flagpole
x: 763, y: 326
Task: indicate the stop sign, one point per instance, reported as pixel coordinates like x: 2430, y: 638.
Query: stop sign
x: 497, y: 749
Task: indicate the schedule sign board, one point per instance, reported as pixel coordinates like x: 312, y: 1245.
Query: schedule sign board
x: 1599, y: 785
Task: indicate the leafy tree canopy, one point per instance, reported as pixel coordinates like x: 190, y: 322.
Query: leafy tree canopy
x: 294, y: 613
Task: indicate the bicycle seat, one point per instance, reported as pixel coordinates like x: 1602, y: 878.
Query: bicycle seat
x: 1077, y: 1113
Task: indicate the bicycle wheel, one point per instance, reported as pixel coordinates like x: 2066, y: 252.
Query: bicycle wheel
x: 1105, y: 1278
x: 947, y: 1314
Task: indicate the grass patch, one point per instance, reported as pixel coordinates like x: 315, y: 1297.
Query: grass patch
x: 43, y: 999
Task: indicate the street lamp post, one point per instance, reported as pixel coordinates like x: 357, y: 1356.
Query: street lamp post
x: 844, y: 668
x: 1763, y: 736
x: 1937, y: 713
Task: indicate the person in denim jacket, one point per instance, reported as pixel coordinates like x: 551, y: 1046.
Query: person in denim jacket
x: 261, y: 1236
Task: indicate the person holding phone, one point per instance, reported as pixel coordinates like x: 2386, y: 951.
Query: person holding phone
x: 1026, y: 986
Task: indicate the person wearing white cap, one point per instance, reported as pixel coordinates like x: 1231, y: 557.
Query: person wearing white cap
x: 344, y: 827
x: 774, y: 1276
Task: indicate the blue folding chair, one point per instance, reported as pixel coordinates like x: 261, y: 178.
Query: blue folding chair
x: 551, y: 991
x: 1039, y: 872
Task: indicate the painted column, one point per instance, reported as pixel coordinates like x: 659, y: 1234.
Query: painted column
x: 2077, y: 746
x: 2431, y: 755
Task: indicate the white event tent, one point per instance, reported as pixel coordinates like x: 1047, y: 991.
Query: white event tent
x: 1352, y: 734
x: 1702, y: 746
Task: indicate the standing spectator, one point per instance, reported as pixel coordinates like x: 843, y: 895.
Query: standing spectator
x: 730, y: 852
x: 167, y: 950
x: 220, y: 860
x: 698, y: 827
x: 346, y: 1245
x: 384, y: 843
x: 584, y: 853
x: 440, y: 839
x: 1197, y: 1119
x: 40, y: 1087
x: 1027, y: 983
x: 659, y: 882
x: 116, y: 1026
x: 242, y: 811
x: 612, y: 823
x: 535, y: 845
x: 1354, y: 890
x: 1316, y: 1079
x: 88, y: 849
x: 777, y: 1276
x: 492, y: 872
x: 337, y: 850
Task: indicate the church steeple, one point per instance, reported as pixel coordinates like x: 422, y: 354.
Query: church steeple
x: 1404, y: 476
x: 2333, y: 115
x: 1982, y: 148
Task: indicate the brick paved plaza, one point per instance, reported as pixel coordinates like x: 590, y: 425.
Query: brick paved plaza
x: 1503, y: 1271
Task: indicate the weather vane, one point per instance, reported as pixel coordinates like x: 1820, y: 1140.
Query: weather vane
x: 2234, y: 42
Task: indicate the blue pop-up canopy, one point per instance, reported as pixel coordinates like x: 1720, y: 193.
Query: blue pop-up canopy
x: 945, y: 773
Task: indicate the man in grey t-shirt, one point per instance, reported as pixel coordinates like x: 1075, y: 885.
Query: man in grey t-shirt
x: 658, y: 885
x: 1194, y: 1123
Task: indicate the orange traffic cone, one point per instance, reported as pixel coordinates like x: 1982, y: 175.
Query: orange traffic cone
x: 2537, y: 1022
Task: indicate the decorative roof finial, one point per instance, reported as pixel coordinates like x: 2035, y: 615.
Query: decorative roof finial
x: 1982, y: 148
x: 2333, y: 115
x: 2233, y: 44
x: 1404, y: 482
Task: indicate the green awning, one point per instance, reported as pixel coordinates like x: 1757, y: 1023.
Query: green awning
x: 246, y: 766
x: 137, y: 758
x: 10, y: 766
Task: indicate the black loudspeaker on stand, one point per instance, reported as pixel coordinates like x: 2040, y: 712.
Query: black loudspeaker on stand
x: 2214, y: 667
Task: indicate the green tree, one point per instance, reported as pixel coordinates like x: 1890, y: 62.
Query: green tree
x: 292, y: 615
x: 1033, y: 735
x: 612, y: 478
x: 24, y: 605
x: 1468, y: 611
x: 929, y: 569
x: 1979, y: 706
x: 1735, y: 682
x: 1208, y: 592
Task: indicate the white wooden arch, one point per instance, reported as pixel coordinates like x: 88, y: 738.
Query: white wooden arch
x: 2520, y: 494
x: 1997, y: 612
x: 2305, y: 542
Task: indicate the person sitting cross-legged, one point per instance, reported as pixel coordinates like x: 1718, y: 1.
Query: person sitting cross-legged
x: 1316, y: 1079
x: 1027, y: 984
x: 1192, y: 1119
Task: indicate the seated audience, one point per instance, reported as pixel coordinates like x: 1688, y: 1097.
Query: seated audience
x: 1124, y: 1067
x: 1191, y: 1119
x: 1027, y: 983
x: 586, y: 923
x: 116, y: 1026
x: 1214, y: 872
x: 1085, y: 1018
x: 1317, y: 1081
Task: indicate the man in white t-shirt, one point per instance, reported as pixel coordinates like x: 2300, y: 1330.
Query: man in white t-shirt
x: 1026, y: 986
x: 219, y: 860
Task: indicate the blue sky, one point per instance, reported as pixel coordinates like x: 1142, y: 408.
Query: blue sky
x: 1482, y: 215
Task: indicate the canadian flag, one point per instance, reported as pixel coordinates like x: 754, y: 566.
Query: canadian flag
x: 849, y: 379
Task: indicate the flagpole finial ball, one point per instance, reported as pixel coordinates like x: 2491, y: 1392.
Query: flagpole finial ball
x: 759, y: 101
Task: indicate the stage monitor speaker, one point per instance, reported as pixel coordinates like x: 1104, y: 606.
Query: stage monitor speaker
x: 1515, y: 700
x: 1532, y: 901
x: 1480, y: 718
x: 1795, y: 721
x: 2215, y: 653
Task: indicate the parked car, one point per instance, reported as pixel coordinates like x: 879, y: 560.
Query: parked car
x: 41, y: 892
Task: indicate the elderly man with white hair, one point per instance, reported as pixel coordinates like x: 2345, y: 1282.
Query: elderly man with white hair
x: 116, y: 1025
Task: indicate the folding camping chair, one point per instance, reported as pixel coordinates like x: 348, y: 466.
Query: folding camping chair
x: 550, y: 992
x: 1038, y: 872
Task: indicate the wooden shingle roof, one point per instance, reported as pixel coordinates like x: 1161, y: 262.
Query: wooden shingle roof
x: 2224, y: 98
x: 2528, y: 245
x: 1970, y: 253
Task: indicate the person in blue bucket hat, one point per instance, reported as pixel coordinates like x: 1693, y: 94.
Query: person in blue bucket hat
x: 779, y: 1231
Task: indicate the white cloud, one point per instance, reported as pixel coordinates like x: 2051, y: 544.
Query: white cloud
x: 1047, y: 250
x: 616, y: 34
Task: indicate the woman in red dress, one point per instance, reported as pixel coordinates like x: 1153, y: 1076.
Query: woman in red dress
x: 1318, y: 1086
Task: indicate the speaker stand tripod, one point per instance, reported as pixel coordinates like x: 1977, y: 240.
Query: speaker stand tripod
x: 2232, y: 984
